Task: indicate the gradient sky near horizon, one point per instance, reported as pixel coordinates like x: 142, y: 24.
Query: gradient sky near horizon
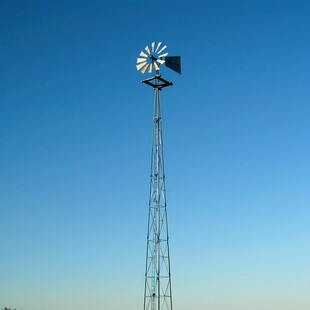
x: 75, y: 142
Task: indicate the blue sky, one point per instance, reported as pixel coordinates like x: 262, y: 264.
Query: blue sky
x: 75, y: 136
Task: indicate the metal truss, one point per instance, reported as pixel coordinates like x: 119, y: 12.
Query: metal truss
x: 157, y: 292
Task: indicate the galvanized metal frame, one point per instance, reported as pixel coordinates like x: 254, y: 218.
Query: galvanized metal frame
x: 157, y: 290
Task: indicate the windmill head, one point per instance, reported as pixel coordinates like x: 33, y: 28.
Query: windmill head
x: 152, y: 57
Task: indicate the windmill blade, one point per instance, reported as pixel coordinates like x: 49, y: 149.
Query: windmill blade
x: 163, y: 55
x: 143, y: 54
x: 141, y: 65
x: 140, y: 60
x: 150, y: 68
x: 160, y: 61
x: 158, y: 46
x: 143, y: 69
x: 163, y: 48
x: 174, y: 63
x: 148, y: 50
x: 153, y: 46
x: 156, y: 66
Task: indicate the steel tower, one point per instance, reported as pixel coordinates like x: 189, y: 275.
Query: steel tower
x: 157, y: 290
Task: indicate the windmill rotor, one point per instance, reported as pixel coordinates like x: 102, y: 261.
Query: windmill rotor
x: 153, y: 56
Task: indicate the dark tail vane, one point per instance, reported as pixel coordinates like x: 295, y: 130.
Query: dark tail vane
x: 174, y: 63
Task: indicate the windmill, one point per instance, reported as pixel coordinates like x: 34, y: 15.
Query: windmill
x: 157, y: 290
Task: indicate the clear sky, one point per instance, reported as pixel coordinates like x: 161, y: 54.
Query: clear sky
x: 75, y: 142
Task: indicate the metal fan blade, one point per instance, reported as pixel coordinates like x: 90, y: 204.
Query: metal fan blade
x: 156, y: 66
x: 153, y: 46
x: 140, y: 60
x: 143, y: 69
x: 160, y: 61
x: 158, y: 46
x: 162, y: 49
x: 150, y: 68
x: 141, y: 65
x: 148, y: 50
x: 143, y: 54
x: 163, y: 55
